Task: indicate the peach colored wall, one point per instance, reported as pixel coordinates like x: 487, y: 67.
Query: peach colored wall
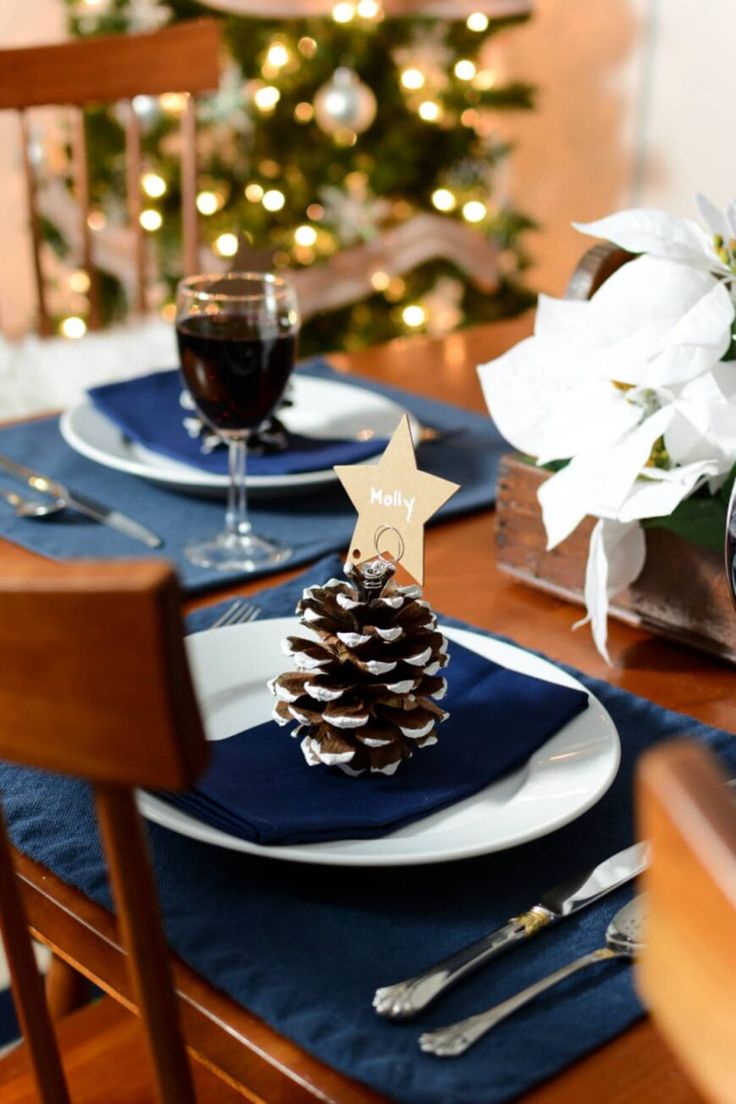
x: 636, y: 108
x: 575, y: 154
x: 21, y: 24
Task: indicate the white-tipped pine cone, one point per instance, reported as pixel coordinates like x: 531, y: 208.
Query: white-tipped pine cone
x: 364, y: 692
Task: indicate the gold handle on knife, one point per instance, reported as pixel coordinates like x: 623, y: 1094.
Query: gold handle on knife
x: 408, y: 998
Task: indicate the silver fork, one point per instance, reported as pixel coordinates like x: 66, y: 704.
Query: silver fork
x: 239, y: 613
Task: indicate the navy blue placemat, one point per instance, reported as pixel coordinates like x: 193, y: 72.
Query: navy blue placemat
x: 312, y: 524
x: 304, y: 947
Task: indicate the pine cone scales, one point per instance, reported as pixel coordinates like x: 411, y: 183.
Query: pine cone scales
x: 364, y: 692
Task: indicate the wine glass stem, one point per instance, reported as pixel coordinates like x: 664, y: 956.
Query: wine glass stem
x: 236, y: 518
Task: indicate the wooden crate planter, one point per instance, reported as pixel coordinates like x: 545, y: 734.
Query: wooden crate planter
x: 682, y: 592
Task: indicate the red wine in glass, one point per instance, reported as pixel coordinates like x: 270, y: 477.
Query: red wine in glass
x: 235, y: 374
x: 237, y: 334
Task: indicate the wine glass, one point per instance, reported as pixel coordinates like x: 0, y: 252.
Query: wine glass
x: 730, y: 544
x: 237, y: 336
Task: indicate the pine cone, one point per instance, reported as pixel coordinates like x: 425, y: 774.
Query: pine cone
x: 364, y: 692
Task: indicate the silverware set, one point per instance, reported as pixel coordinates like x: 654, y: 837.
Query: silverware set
x: 61, y: 498
x: 408, y: 998
x: 624, y: 939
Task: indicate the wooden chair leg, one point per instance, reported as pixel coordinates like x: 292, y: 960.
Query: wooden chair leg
x: 66, y: 989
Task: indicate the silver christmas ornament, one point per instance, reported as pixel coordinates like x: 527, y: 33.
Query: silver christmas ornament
x: 344, y: 103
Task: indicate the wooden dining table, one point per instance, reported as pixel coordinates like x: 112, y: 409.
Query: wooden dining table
x: 462, y: 580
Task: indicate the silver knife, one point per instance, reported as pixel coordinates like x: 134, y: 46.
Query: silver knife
x: 82, y: 503
x: 407, y: 998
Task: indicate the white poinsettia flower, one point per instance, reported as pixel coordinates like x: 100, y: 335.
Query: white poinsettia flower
x: 652, y: 325
x: 630, y: 389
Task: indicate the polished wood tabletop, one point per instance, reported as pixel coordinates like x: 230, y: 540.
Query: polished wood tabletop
x: 461, y: 580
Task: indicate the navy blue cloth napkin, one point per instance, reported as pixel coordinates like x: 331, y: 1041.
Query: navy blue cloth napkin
x: 304, y: 946
x: 312, y: 524
x: 258, y: 785
x: 147, y: 410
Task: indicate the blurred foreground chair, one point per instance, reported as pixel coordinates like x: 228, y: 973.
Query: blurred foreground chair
x: 96, y: 685
x: 687, y: 975
x: 110, y: 68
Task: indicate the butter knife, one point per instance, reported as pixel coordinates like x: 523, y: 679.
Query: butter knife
x: 407, y: 998
x: 82, y: 503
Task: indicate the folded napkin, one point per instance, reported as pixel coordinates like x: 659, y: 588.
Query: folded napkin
x: 258, y: 786
x: 148, y: 411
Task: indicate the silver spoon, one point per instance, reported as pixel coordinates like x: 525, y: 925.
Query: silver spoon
x: 32, y: 507
x: 624, y: 939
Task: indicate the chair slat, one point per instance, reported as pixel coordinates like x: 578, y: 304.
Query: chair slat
x: 190, y: 231
x: 133, y: 166
x: 81, y: 177
x: 142, y: 934
x: 44, y: 320
x: 27, y: 987
x: 182, y: 58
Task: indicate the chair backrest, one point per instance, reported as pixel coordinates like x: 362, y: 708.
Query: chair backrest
x: 687, y: 974
x: 183, y: 58
x: 96, y: 684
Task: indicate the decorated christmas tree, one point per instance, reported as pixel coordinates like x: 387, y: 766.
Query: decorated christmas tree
x: 375, y: 140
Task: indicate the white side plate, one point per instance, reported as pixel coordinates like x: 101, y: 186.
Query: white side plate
x: 559, y: 783
x: 321, y: 408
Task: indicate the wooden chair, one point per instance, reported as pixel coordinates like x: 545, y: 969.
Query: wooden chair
x: 96, y: 684
x: 182, y: 58
x: 688, y: 974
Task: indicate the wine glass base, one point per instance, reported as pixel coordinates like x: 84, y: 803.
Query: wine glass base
x: 229, y: 552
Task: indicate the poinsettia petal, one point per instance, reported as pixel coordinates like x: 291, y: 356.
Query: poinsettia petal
x: 562, y: 509
x: 598, y: 482
x: 712, y: 216
x: 615, y: 559
x: 731, y: 219
x: 559, y: 320
x: 647, y: 230
x: 716, y: 386
x: 660, y: 492
x: 592, y: 414
x: 702, y: 431
x: 698, y: 340
x: 519, y: 388
x: 656, y: 323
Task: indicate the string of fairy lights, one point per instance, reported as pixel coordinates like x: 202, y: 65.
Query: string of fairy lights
x: 310, y: 239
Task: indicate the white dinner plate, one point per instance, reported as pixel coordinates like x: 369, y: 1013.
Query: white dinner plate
x: 561, y: 780
x: 321, y: 408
